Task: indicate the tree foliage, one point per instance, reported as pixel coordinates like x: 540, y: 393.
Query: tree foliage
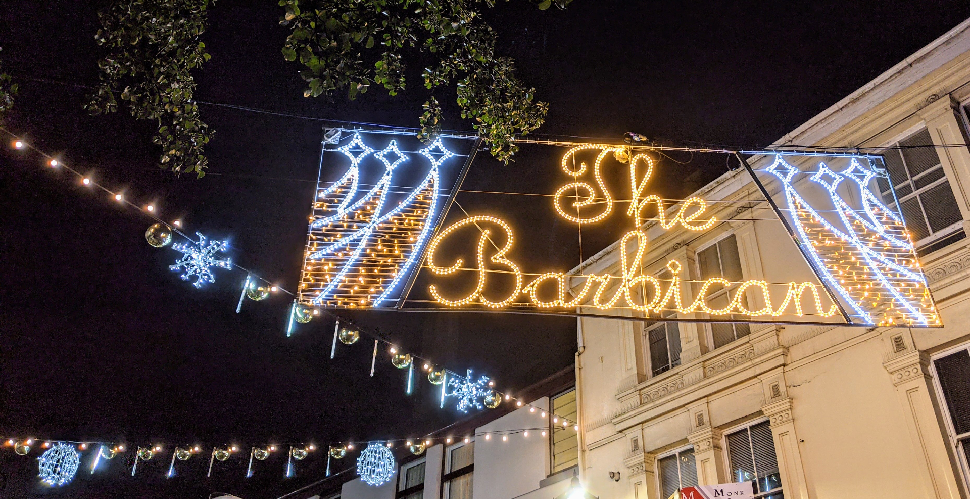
x: 8, y: 89
x: 353, y: 44
x: 152, y: 48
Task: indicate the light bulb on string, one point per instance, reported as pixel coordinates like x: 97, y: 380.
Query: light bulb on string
x: 86, y: 181
x: 53, y: 163
x: 119, y: 197
x: 18, y: 144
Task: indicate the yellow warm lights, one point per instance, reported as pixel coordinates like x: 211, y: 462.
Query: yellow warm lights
x: 611, y: 291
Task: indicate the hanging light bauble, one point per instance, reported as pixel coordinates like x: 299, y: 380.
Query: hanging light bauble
x: 338, y: 452
x: 349, y: 335
x: 21, y: 448
x: 158, y: 235
x: 302, y: 313
x: 145, y: 453
x: 401, y: 360
x: 299, y: 453
x: 436, y: 377
x: 261, y: 453
x: 257, y: 291
x: 417, y: 448
x: 222, y: 454
x: 492, y: 399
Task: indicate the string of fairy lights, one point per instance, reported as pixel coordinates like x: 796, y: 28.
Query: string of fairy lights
x: 200, y: 256
x: 472, y: 393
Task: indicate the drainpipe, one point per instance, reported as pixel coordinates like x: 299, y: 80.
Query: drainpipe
x: 581, y: 421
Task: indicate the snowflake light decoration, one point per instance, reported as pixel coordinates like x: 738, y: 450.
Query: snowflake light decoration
x: 376, y: 464
x: 470, y: 393
x: 198, y: 259
x: 58, y: 465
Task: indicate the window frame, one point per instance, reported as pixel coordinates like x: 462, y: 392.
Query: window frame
x: 555, y: 425
x: 951, y: 435
x: 402, y: 477
x: 898, y: 200
x: 680, y: 476
x: 651, y: 323
x: 726, y: 454
x: 447, y: 477
x: 709, y: 327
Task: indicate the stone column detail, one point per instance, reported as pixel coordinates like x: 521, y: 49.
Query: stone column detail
x: 910, y: 376
x: 782, y: 424
x: 708, y: 456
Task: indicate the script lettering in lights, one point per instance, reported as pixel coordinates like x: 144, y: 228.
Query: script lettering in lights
x: 661, y: 295
x: 632, y: 289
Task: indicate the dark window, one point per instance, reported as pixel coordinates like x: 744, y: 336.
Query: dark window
x: 411, y: 483
x: 953, y: 375
x: 459, y: 464
x: 677, y: 471
x: 752, y: 455
x: 924, y: 193
x: 723, y: 260
x: 663, y: 341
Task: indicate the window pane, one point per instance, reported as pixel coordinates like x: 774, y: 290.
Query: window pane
x: 463, y: 456
x: 941, y: 207
x: 414, y: 476
x: 461, y: 486
x: 723, y: 334
x: 708, y: 262
x: 739, y: 452
x: 929, y: 178
x: 730, y: 259
x: 765, y: 461
x: 742, y: 329
x: 919, y: 160
x: 659, y: 361
x: 915, y: 222
x: 416, y: 494
x: 673, y: 343
x: 904, y: 190
x: 954, y: 373
x: 894, y: 164
x: 688, y: 469
x: 565, y: 445
x: 669, y: 480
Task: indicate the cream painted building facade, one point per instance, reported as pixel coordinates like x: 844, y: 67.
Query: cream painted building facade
x: 805, y: 411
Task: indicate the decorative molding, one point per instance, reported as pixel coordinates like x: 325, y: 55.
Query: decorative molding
x: 948, y: 268
x: 671, y: 386
x: 636, y: 463
x: 705, y: 440
x: 779, y: 412
x: 912, y: 366
x: 725, y: 363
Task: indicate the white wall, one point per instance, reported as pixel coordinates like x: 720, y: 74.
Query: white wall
x: 360, y: 489
x: 506, y: 469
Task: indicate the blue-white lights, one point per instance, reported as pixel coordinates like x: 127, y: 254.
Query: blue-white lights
x: 198, y: 259
x: 376, y: 464
x: 863, y: 254
x: 361, y: 247
x: 59, y: 464
x: 470, y: 392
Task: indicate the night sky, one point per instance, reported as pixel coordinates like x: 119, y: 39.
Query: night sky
x: 100, y: 341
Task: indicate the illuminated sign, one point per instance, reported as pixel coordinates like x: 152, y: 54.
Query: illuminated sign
x: 362, y: 249
x: 861, y: 250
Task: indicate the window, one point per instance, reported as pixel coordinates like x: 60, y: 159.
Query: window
x: 411, y: 480
x: 723, y: 260
x: 662, y: 339
x: 663, y: 342
x: 924, y: 193
x: 460, y: 467
x: 953, y: 379
x: 751, y: 452
x: 676, y: 471
x: 565, y: 445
